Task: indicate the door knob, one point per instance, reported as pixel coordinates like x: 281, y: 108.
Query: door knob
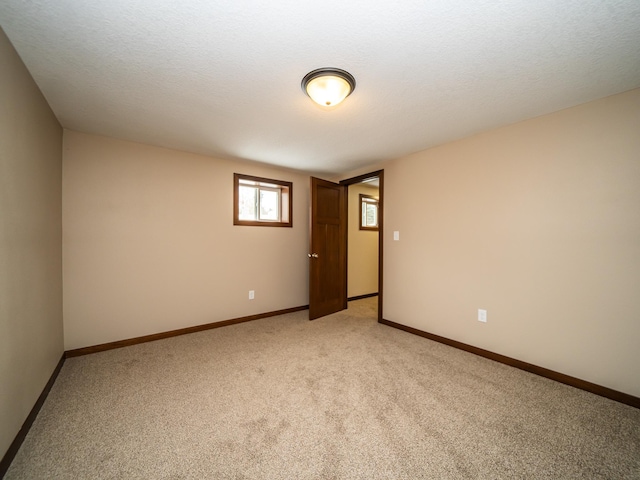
x: 312, y: 255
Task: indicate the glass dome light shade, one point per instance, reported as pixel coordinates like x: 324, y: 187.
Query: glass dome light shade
x: 328, y: 87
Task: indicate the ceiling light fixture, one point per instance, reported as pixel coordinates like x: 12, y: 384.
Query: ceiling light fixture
x: 328, y: 86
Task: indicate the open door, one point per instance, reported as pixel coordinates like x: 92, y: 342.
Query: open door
x: 327, y: 254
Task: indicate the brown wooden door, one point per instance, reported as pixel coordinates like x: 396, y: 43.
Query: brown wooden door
x: 328, y: 260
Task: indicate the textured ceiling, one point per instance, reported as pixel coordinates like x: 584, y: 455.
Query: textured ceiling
x: 222, y: 77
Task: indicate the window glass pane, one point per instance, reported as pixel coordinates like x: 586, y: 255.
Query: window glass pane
x: 247, y: 202
x: 372, y: 215
x: 269, y: 208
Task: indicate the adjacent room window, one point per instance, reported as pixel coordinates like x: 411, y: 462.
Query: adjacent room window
x: 261, y: 201
x: 369, y: 212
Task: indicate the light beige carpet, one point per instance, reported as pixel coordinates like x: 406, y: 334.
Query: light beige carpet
x: 341, y: 397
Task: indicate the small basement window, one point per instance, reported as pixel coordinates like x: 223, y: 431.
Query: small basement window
x: 369, y: 212
x: 261, y: 201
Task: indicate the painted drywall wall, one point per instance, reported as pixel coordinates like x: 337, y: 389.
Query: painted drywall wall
x: 150, y: 245
x: 537, y: 222
x: 31, y: 337
x: 362, y: 254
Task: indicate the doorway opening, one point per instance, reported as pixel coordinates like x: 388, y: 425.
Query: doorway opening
x: 364, y: 237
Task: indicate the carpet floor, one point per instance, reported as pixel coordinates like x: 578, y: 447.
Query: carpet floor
x: 341, y: 397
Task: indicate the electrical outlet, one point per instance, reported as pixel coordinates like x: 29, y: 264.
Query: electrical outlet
x: 482, y: 315
x: 396, y: 235
x: 252, y: 294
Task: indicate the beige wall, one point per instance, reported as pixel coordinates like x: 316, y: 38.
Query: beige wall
x: 150, y: 245
x: 31, y: 333
x: 362, y: 255
x: 539, y: 223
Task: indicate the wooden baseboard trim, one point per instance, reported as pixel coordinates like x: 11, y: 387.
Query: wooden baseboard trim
x: 174, y: 333
x: 528, y: 367
x: 26, y: 426
x: 360, y: 297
